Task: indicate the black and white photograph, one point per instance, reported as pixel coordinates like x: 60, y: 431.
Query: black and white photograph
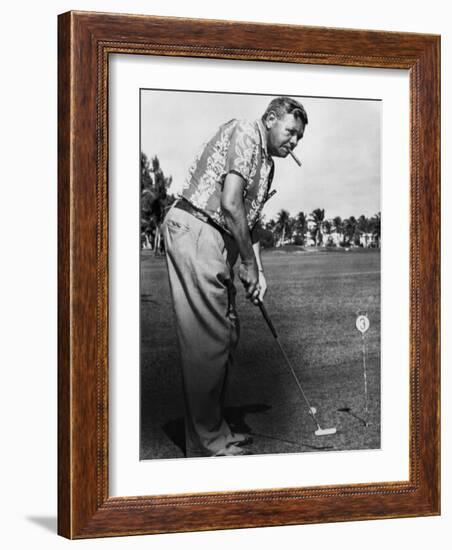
x: 224, y: 233
x: 259, y: 274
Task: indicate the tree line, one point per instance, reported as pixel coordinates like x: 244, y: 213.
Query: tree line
x: 155, y: 201
x: 314, y: 229
x: 303, y: 229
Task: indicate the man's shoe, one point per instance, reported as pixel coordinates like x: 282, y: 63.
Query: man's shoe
x: 232, y: 450
x: 241, y: 439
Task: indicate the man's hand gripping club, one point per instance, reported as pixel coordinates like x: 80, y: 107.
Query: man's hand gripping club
x: 249, y: 276
x: 235, y: 216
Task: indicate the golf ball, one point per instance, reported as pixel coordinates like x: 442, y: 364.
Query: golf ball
x: 313, y: 410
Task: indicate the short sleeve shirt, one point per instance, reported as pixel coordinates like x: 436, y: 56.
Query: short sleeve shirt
x: 238, y: 147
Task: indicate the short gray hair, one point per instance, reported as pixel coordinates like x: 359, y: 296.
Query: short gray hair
x: 286, y: 105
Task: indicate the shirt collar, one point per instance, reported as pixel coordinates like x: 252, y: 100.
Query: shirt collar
x: 263, y: 134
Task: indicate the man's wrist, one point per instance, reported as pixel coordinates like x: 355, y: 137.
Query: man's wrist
x: 249, y: 260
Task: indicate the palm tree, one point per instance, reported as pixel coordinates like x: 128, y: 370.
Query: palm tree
x: 282, y: 225
x: 363, y: 223
x: 300, y: 228
x: 317, y: 216
x: 291, y: 228
x: 145, y: 179
x: 349, y: 230
x: 155, y: 199
x: 326, y: 230
x: 162, y: 202
x: 266, y: 236
x: 338, y: 227
x: 362, y: 228
x: 270, y: 225
x: 147, y: 199
x: 375, y: 228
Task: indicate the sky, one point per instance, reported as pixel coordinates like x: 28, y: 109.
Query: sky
x: 340, y: 150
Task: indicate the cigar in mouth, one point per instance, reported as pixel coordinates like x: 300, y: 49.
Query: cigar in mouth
x: 296, y: 159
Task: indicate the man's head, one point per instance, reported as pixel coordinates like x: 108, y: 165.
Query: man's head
x: 284, y: 120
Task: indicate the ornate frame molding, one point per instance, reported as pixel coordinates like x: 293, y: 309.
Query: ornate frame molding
x: 85, y: 42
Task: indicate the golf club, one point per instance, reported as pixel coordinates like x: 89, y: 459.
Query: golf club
x: 312, y: 410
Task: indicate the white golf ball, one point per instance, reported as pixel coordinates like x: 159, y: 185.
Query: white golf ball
x: 313, y: 410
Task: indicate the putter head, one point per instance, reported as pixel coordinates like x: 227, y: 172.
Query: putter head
x: 326, y: 431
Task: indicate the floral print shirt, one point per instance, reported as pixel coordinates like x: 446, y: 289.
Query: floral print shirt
x: 239, y: 147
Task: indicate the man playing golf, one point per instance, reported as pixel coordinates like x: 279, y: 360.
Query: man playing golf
x: 205, y: 231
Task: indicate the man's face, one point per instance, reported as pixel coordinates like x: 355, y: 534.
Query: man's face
x: 283, y: 134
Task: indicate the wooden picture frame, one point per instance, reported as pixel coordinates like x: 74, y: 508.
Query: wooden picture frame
x: 85, y: 42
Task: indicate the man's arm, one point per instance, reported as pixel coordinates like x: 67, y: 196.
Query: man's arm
x: 235, y: 217
x: 260, y: 267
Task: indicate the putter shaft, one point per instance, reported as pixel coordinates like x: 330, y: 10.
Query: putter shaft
x: 311, y: 414
x: 288, y: 363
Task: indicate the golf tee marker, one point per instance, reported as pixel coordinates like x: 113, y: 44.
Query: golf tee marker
x: 363, y: 324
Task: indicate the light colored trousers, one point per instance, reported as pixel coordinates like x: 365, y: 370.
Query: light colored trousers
x: 200, y: 260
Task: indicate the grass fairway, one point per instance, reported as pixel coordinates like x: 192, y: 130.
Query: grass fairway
x: 312, y: 299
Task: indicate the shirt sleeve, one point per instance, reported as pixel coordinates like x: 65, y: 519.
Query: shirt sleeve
x: 242, y: 150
